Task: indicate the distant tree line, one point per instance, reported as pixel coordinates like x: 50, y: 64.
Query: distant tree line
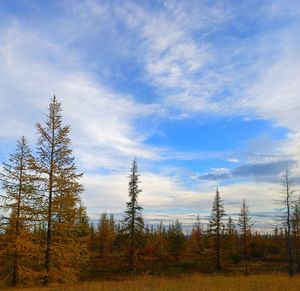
x: 46, y: 236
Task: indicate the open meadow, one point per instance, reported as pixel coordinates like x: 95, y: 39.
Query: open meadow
x: 187, y: 282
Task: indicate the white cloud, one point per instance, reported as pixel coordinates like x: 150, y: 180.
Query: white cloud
x: 184, y: 66
x: 233, y: 160
x: 192, y: 67
x: 260, y: 72
x: 275, y: 94
x: 170, y: 55
x: 166, y: 198
x: 109, y: 192
x: 102, y: 120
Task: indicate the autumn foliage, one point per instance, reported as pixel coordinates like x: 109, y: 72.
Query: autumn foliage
x: 47, y: 238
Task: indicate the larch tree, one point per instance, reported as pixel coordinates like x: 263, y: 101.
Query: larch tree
x: 106, y: 233
x: 296, y: 232
x: 19, y: 201
x: 245, y: 225
x: 231, y: 240
x: 93, y: 236
x: 216, y: 226
x: 196, y: 238
x: 133, y: 222
x: 61, y: 189
x: 160, y: 250
x: 286, y: 202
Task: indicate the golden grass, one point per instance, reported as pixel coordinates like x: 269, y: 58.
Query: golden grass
x: 197, y: 282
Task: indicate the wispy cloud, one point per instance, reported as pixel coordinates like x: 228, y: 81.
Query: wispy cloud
x: 104, y: 119
x: 172, y: 58
x: 271, y: 171
x: 122, y: 69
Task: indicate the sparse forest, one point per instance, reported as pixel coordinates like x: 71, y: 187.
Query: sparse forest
x: 46, y: 236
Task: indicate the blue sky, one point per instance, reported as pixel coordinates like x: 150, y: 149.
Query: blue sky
x: 203, y: 93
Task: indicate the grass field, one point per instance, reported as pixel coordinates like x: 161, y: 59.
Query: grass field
x: 188, y: 282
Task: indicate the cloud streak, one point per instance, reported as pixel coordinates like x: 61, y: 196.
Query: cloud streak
x: 261, y: 171
x: 104, y: 119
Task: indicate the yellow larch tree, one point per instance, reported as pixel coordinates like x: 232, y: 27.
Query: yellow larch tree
x: 65, y: 248
x: 19, y: 250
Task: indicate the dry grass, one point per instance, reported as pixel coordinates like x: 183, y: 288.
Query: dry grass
x: 188, y: 282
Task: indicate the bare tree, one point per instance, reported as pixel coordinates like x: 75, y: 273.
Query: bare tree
x: 286, y: 202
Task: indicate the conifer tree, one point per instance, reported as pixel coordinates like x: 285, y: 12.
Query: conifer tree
x: 160, y: 243
x: 296, y: 231
x: 106, y: 232
x: 230, y: 226
x: 133, y: 222
x: 19, y: 202
x: 197, y: 236
x: 176, y: 239
x: 216, y: 226
x: 93, y: 237
x: 61, y: 189
x: 232, y: 240
x: 245, y: 231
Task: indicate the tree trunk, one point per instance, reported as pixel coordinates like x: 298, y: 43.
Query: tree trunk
x: 218, y: 252
x: 16, y: 257
x: 49, y: 218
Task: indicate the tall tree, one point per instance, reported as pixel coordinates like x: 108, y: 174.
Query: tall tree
x: 19, y: 199
x: 61, y: 189
x: 216, y: 226
x: 286, y: 202
x: 133, y: 222
x: 245, y: 225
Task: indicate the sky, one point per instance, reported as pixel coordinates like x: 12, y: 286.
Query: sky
x: 202, y: 93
